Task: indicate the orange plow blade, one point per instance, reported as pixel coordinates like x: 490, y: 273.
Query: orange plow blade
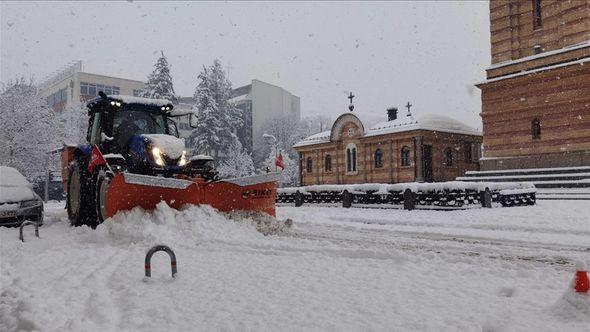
x: 126, y: 191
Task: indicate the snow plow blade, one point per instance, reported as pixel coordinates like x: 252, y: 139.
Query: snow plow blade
x: 126, y: 191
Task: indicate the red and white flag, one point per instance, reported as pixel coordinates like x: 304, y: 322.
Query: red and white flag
x: 96, y: 159
x: 279, y: 161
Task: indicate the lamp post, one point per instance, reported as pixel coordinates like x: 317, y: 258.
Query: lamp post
x: 272, y: 141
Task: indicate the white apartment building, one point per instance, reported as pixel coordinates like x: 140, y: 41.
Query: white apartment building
x: 260, y: 101
x: 71, y: 85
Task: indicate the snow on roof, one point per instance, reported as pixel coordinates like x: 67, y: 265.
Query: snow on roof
x: 140, y: 100
x: 322, y: 137
x: 425, y: 122
x: 403, y: 123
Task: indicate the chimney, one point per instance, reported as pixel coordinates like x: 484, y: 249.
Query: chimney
x: 391, y: 114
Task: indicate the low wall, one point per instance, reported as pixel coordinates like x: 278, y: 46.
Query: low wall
x: 440, y: 195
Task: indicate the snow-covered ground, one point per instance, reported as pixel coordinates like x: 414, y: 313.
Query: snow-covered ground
x: 505, y: 269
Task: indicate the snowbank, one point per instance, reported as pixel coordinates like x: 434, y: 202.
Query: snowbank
x: 319, y: 276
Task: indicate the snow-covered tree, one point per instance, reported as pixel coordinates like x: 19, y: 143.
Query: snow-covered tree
x: 237, y: 163
x: 218, y: 119
x: 289, y: 176
x: 286, y: 130
x: 159, y: 84
x: 72, y: 123
x: 28, y: 128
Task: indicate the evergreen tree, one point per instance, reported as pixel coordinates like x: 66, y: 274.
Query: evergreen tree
x: 218, y: 119
x: 238, y: 162
x: 159, y: 84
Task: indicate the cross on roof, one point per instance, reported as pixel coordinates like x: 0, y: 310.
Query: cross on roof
x: 408, y: 106
x: 350, y: 97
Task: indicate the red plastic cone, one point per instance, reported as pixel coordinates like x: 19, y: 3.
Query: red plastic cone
x: 581, y: 284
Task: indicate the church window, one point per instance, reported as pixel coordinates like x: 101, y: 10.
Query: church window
x: 536, y: 129
x: 449, y: 157
x: 351, y: 158
x: 537, y: 17
x: 378, y: 158
x: 309, y: 165
x: 405, y: 156
x: 328, y: 163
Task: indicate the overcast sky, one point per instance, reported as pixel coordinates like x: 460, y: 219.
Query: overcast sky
x: 387, y: 53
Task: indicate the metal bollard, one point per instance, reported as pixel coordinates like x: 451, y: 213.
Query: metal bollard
x: 409, y: 200
x: 298, y: 199
x: 151, y: 252
x: 347, y: 198
x: 486, y: 198
x: 28, y: 222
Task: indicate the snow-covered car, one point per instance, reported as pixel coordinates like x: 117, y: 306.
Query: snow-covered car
x: 18, y: 201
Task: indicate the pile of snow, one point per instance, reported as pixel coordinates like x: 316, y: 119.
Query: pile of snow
x: 186, y: 227
x: 13, y: 186
x: 573, y: 306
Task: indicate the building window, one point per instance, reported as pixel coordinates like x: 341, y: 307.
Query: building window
x: 309, y: 165
x: 137, y: 93
x: 90, y: 89
x: 350, y: 132
x: 351, y: 158
x: 536, y: 129
x: 378, y: 158
x: 328, y: 163
x: 405, y: 156
x: 449, y: 157
x: 83, y: 88
x: 537, y: 16
x: 472, y: 152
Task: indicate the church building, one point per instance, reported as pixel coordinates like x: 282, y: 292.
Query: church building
x: 405, y: 148
x: 536, y: 98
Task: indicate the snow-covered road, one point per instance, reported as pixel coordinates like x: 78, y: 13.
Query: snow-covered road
x: 335, y: 269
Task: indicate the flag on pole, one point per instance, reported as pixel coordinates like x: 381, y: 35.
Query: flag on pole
x: 96, y: 159
x: 279, y: 161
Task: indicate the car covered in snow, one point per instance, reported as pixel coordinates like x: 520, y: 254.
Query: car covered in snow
x: 18, y: 201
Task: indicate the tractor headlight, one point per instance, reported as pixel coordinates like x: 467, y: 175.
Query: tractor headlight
x: 157, y: 154
x: 182, y: 160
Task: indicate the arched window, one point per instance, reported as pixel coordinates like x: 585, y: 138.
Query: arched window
x: 309, y: 165
x: 405, y: 156
x: 328, y: 163
x: 378, y: 158
x: 536, y: 128
x: 449, y: 157
x: 351, y: 158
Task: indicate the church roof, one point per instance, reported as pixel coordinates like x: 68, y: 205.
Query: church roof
x: 323, y: 137
x: 431, y: 122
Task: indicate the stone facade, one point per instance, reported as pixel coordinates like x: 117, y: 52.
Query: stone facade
x: 401, y: 150
x: 536, y: 99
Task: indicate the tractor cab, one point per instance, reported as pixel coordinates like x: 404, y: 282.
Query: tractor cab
x: 136, y: 133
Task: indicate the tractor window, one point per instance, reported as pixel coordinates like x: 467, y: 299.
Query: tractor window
x: 128, y: 123
x: 172, y: 129
x: 95, y: 133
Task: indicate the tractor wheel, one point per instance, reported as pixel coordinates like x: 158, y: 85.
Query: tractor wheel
x: 80, y: 197
x: 102, y: 184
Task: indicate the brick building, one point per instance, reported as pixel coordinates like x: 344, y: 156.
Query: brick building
x: 403, y: 149
x: 536, y: 99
